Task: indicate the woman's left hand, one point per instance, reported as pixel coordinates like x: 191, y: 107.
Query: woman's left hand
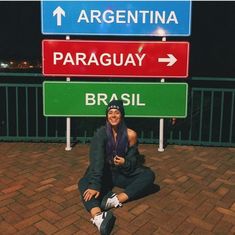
x: 89, y: 193
x: 118, y: 161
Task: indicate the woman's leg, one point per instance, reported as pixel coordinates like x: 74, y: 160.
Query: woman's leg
x: 104, y: 221
x: 94, y: 202
x: 136, y: 185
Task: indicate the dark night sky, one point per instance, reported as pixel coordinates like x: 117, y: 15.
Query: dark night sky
x: 212, y: 39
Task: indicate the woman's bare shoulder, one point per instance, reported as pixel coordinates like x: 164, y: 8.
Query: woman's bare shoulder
x: 132, y: 136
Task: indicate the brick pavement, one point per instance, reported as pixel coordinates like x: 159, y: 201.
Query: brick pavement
x: 38, y: 192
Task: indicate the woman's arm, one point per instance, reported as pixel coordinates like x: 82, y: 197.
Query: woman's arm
x: 97, y: 159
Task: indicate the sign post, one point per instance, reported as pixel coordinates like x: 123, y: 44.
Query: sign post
x: 161, y: 123
x: 68, y: 121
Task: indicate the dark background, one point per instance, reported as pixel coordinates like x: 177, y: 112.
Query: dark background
x: 212, y: 48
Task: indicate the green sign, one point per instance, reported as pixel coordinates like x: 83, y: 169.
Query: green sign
x: 70, y: 99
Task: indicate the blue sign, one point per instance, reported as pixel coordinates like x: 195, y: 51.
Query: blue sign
x: 120, y: 18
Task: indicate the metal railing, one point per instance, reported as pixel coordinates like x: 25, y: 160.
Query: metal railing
x: 210, y: 120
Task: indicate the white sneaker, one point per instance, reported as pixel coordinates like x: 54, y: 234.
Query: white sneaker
x: 104, y: 222
x: 110, y: 201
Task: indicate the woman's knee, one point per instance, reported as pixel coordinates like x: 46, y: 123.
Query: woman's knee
x: 149, y: 175
x: 83, y: 184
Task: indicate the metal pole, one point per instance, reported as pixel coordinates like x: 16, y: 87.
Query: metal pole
x: 161, y: 131
x: 161, y: 123
x: 68, y: 121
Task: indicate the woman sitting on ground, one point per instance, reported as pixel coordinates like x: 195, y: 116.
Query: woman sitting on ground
x: 113, y: 162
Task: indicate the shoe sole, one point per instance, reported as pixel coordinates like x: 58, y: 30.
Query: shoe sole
x: 103, y: 203
x: 108, y: 223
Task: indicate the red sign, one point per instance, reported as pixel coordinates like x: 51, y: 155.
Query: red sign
x: 115, y: 58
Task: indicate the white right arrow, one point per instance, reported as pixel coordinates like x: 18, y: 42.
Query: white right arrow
x: 170, y: 60
x: 58, y: 12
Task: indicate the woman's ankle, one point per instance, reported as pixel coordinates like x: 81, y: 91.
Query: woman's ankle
x: 122, y: 197
x: 95, y: 211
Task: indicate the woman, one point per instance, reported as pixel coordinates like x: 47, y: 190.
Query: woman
x: 113, y: 162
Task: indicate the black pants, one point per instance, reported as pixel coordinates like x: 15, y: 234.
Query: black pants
x: 135, y: 185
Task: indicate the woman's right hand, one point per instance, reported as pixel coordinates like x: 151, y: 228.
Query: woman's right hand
x: 118, y: 161
x: 89, y: 193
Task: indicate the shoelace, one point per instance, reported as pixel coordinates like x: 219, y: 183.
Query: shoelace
x: 119, y: 204
x: 110, y: 203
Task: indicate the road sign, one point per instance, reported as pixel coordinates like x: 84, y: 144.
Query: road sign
x: 126, y: 18
x: 91, y: 98
x: 115, y: 58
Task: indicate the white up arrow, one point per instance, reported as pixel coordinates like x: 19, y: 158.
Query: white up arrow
x: 58, y: 12
x: 170, y: 60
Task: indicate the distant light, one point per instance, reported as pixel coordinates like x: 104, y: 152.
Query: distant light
x: 4, y: 65
x: 12, y: 64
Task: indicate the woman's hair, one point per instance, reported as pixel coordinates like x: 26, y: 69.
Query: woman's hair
x: 120, y: 147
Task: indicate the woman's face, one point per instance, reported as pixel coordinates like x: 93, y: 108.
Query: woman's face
x: 114, y: 117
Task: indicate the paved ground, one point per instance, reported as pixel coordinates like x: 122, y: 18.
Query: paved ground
x: 38, y: 192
